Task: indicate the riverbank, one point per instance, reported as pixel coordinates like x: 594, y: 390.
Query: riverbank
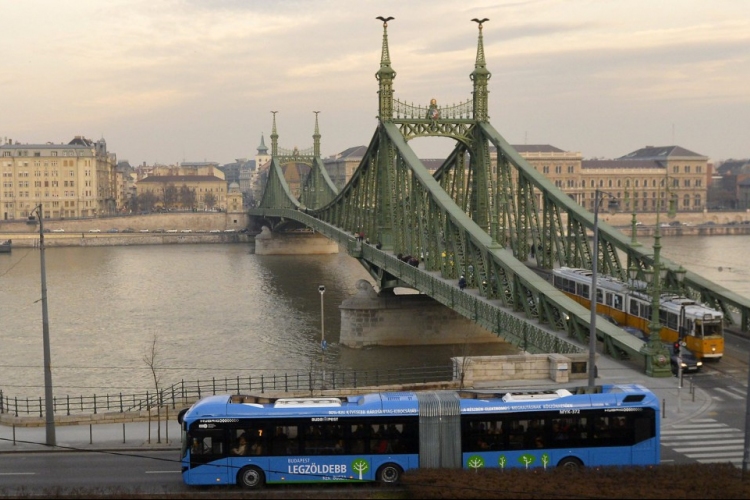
x: 120, y: 239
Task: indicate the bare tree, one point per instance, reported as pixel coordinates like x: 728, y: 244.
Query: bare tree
x: 146, y: 201
x: 462, y: 366
x: 152, y: 358
x: 187, y: 197
x: 210, y: 200
x: 171, y: 195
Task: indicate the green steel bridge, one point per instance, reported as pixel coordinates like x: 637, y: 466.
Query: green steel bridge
x: 479, y: 215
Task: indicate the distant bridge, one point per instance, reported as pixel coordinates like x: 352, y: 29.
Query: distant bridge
x: 477, y: 216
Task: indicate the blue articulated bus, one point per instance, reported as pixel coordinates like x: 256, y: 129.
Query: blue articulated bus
x: 252, y: 441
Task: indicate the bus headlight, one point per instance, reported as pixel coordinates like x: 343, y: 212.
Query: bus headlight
x: 699, y: 364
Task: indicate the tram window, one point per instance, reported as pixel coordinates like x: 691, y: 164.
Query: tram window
x: 712, y: 329
x: 569, y: 286
x: 645, y: 311
x: 599, y: 296
x: 672, y: 321
x: 582, y: 290
x: 663, y: 317
x: 617, y: 304
x: 634, y: 307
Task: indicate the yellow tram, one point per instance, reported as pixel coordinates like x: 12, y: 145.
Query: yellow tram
x: 702, y: 327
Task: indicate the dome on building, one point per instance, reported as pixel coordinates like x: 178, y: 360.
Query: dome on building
x: 234, y: 187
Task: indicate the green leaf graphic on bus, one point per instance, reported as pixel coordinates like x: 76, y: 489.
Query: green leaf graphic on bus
x: 475, y: 462
x: 502, y: 461
x: 526, y: 459
x: 360, y: 465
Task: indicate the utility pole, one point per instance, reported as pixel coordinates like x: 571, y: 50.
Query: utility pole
x: 48, y: 401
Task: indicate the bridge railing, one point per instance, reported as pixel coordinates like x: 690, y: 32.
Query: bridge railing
x: 185, y: 392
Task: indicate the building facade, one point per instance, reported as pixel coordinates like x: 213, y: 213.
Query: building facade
x: 341, y: 166
x: 186, y: 186
x: 637, y: 179
x: 68, y: 180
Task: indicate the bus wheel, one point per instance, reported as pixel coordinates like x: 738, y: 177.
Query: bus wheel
x: 389, y: 473
x: 251, y: 477
x: 570, y: 464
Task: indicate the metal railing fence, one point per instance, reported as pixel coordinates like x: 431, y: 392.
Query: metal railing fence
x: 185, y: 392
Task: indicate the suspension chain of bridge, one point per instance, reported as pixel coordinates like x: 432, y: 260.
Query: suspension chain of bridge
x: 477, y: 216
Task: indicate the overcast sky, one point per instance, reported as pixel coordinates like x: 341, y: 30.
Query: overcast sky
x: 195, y: 80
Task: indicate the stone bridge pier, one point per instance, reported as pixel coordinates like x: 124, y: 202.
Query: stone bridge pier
x: 413, y: 319
x: 300, y: 243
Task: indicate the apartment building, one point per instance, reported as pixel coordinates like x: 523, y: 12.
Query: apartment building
x: 636, y: 179
x: 76, y: 179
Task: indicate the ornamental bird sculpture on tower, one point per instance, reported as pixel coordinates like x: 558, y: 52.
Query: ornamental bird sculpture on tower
x: 385, y: 19
x: 480, y: 21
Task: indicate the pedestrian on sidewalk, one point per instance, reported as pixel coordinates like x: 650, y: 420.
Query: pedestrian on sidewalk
x: 462, y: 282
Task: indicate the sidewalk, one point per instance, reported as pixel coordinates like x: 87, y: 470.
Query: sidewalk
x: 677, y: 405
x: 117, y: 436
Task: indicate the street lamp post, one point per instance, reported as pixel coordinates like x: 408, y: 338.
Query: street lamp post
x: 323, y: 344
x: 657, y: 358
x: 594, y: 262
x: 48, y: 401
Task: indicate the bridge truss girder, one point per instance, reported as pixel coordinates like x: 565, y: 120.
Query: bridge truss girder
x: 394, y: 201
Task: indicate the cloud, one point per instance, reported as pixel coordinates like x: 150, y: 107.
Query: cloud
x: 136, y: 70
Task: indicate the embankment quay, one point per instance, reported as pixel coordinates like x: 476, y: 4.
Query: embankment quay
x: 117, y: 239
x: 142, y: 229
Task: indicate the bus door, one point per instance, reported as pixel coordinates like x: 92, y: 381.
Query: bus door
x: 208, y: 456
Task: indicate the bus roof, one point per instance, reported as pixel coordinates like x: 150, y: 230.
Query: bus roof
x: 407, y: 403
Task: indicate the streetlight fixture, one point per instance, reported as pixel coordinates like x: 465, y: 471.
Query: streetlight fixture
x: 612, y: 205
x: 48, y: 401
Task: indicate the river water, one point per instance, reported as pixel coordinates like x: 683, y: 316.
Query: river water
x: 219, y: 310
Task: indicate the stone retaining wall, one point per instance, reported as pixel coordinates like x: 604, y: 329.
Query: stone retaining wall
x: 557, y: 368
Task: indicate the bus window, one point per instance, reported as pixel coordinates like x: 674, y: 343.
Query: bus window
x: 602, y: 431
x: 253, y: 436
x: 323, y: 439
x: 285, y: 440
x: 359, y: 437
x: 483, y: 435
x: 516, y: 432
x: 535, y: 434
x: 643, y: 427
x: 206, y: 446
